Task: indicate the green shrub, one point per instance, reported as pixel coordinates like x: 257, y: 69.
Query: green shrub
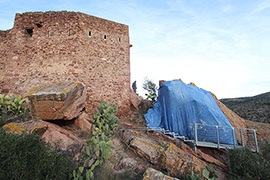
x: 248, y: 165
x: 105, y: 118
x: 192, y: 176
x: 12, y: 108
x: 98, y: 147
x: 151, y: 88
x: 266, y: 151
x: 27, y: 157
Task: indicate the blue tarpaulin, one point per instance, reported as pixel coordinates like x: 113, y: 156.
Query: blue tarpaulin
x: 179, y: 106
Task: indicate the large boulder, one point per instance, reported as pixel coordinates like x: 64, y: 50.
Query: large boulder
x: 135, y: 100
x: 57, y: 101
x: 151, y: 152
x: 174, y: 160
x: 82, y: 123
x: 178, y: 162
x: 30, y: 127
x: 173, y: 156
x: 62, y: 139
x: 57, y: 137
x: 234, y: 119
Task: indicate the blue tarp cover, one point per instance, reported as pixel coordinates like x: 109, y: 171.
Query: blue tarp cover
x: 179, y: 106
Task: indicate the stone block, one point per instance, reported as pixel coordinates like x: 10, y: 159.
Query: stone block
x: 82, y: 123
x: 135, y: 100
x: 57, y: 101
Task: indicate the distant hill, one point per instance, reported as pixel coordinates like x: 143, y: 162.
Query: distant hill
x: 255, y: 108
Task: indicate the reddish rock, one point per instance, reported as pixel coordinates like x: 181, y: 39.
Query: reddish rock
x: 82, y: 123
x: 30, y: 127
x: 57, y: 101
x: 60, y: 138
x: 151, y: 152
x: 135, y: 100
x: 57, y: 137
x: 206, y: 155
x: 174, y: 159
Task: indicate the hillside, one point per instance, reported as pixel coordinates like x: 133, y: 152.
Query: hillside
x: 255, y: 108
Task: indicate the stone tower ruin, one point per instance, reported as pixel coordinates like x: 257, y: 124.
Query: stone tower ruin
x: 53, y: 47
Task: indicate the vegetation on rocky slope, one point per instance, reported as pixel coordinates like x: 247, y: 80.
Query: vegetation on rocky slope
x: 26, y: 157
x: 256, y: 108
x: 248, y: 165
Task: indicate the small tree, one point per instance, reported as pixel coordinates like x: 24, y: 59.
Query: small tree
x: 151, y: 88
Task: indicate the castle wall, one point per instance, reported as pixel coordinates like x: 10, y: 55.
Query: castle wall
x: 50, y: 47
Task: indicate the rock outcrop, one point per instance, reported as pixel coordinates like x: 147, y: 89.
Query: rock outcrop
x: 235, y: 120
x: 82, y: 123
x: 173, y: 159
x: 56, y: 104
x: 63, y: 101
x: 62, y: 139
x: 30, y: 127
x: 135, y: 100
x: 172, y: 156
x: 57, y: 137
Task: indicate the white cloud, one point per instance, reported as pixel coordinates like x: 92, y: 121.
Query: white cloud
x: 264, y: 5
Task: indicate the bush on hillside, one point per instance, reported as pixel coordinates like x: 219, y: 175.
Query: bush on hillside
x: 266, y: 151
x: 27, y: 157
x: 248, y: 165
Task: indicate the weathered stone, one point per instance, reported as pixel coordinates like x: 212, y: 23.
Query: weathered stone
x: 176, y: 160
x: 60, y: 138
x: 128, y: 164
x: 135, y: 100
x: 31, y: 127
x: 151, y: 152
x: 53, y: 134
x: 151, y: 173
x: 82, y: 123
x: 205, y: 155
x: 57, y: 101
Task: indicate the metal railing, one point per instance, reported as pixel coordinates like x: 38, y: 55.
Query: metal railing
x: 240, y: 137
x: 162, y: 130
x: 128, y: 137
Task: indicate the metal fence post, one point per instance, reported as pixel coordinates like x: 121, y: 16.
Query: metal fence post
x: 218, y: 141
x: 196, y: 137
x: 255, y: 139
x: 234, y: 144
x: 242, y: 137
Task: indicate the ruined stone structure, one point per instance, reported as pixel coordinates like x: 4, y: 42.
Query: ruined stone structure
x: 53, y: 47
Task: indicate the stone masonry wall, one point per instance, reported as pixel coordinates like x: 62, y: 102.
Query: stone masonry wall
x: 52, y: 47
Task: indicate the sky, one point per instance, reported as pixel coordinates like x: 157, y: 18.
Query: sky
x: 222, y: 46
